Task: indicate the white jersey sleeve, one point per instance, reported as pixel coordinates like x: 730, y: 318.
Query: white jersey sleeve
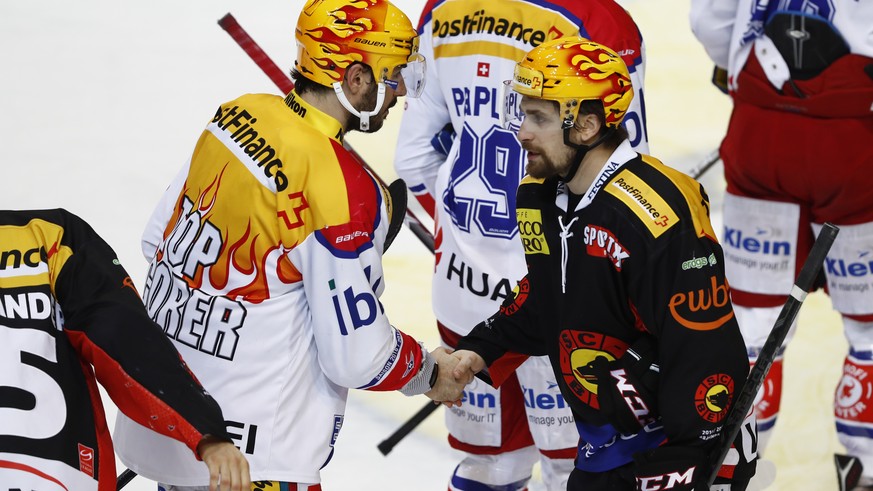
x: 357, y: 346
x: 153, y: 234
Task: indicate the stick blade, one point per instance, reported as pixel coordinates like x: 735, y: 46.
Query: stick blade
x: 848, y: 471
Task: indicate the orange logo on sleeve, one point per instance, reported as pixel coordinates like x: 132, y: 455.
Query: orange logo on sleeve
x: 702, y: 310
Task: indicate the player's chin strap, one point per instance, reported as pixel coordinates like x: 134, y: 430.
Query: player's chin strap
x: 581, y: 151
x: 364, y: 116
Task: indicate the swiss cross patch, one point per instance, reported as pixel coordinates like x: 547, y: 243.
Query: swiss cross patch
x: 484, y: 69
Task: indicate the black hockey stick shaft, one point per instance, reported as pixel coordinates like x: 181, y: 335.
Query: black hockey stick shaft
x: 285, y: 84
x: 124, y: 478
x: 709, y: 161
x: 746, y: 398
x: 388, y: 444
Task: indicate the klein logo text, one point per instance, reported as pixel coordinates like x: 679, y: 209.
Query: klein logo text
x: 736, y: 239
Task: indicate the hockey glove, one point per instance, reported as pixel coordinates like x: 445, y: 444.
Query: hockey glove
x: 720, y: 79
x: 627, y: 387
x: 671, y: 468
x: 442, y: 140
x: 686, y: 469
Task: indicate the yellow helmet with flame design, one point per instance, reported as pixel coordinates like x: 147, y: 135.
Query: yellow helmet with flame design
x: 333, y: 34
x: 572, y: 69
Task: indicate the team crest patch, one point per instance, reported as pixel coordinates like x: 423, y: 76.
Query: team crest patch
x: 713, y: 397
x: 519, y: 295
x: 577, y: 350
x: 852, y: 401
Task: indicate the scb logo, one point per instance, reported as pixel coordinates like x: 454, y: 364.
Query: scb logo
x: 359, y: 309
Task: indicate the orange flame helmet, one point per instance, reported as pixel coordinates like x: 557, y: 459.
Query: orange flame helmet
x: 333, y: 34
x: 572, y: 69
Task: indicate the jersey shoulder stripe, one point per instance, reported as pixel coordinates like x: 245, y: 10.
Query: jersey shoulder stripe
x: 693, y: 193
x: 361, y: 202
x: 644, y: 201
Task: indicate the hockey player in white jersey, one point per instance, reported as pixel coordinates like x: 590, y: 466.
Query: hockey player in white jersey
x: 797, y: 154
x: 472, y: 47
x: 266, y: 257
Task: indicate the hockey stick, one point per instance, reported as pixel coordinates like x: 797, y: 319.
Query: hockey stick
x: 124, y: 478
x: 698, y: 170
x: 746, y: 398
x: 285, y: 84
x: 388, y: 444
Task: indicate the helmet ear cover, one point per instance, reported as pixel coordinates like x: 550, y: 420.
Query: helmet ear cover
x: 572, y: 69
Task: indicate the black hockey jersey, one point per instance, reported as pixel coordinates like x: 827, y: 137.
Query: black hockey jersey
x: 636, y: 257
x: 70, y: 314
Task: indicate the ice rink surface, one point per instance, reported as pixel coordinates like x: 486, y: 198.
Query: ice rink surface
x: 101, y: 102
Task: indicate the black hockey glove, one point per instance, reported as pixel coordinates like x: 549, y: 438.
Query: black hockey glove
x: 720, y: 79
x: 686, y: 469
x: 671, y: 468
x: 627, y: 388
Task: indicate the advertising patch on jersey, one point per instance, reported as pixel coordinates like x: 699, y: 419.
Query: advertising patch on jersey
x: 713, y: 396
x: 703, y: 309
x: 853, y: 396
x: 530, y: 227
x: 699, y: 262
x: 760, y: 244
x: 648, y: 205
x: 519, y: 295
x: 86, y: 459
x: 577, y: 350
x: 346, y: 240
x: 601, y: 242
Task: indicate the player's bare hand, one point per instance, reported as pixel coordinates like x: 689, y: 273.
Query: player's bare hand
x: 447, y: 388
x: 469, y: 364
x: 228, y: 468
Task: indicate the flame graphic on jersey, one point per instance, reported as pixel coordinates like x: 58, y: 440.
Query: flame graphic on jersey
x: 345, y: 26
x: 241, y: 269
x: 594, y: 64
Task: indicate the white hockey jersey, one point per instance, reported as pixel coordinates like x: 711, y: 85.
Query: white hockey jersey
x: 730, y: 29
x: 471, y: 47
x: 266, y: 274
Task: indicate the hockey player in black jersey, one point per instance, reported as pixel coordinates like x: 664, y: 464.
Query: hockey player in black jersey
x: 70, y: 317
x: 625, y: 290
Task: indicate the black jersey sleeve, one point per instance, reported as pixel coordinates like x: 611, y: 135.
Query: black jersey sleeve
x: 106, y: 321
x: 683, y: 298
